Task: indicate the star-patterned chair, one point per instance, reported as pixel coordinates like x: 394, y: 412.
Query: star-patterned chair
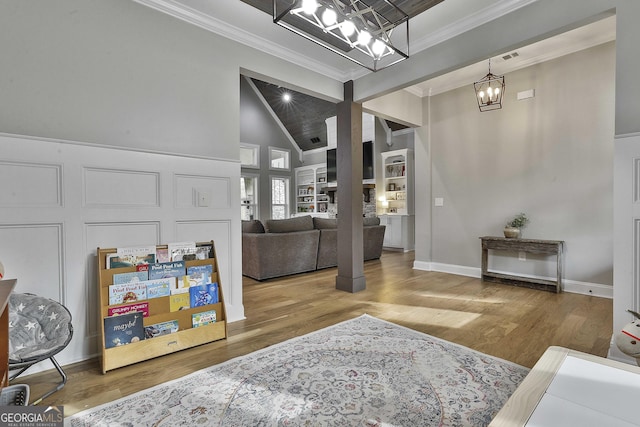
x: 39, y: 328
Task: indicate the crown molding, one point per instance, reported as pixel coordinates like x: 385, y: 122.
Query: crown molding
x: 468, y: 23
x: 180, y: 11
x: 224, y: 29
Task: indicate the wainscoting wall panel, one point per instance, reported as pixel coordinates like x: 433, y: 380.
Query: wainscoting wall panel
x: 16, y: 189
x: 60, y: 200
x: 117, y: 188
x: 202, y: 191
x: 34, y: 254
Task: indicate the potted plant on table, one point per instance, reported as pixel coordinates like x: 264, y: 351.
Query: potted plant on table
x: 513, y: 228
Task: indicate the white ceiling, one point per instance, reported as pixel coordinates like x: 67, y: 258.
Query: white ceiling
x: 237, y: 20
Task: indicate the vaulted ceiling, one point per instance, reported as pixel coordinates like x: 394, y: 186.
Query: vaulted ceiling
x: 304, y: 116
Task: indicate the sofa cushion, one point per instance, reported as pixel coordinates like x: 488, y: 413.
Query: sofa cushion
x: 253, y: 226
x: 325, y: 223
x: 298, y: 223
x: 371, y: 221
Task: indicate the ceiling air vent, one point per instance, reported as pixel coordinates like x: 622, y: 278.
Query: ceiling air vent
x: 315, y: 140
x: 510, y: 56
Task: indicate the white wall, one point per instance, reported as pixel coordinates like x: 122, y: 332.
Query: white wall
x: 60, y: 201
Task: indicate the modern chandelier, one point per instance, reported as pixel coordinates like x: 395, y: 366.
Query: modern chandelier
x: 374, y: 34
x: 489, y: 91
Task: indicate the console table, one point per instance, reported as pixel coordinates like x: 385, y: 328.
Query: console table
x: 533, y: 246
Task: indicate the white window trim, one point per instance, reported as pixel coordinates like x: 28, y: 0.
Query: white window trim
x: 287, y: 205
x: 256, y: 205
x: 256, y: 151
x: 284, y: 150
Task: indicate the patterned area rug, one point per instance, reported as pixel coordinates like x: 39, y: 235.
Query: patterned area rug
x: 362, y: 372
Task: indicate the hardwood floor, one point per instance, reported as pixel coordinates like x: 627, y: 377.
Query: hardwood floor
x: 512, y: 323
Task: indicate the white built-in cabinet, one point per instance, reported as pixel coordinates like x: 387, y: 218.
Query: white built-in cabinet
x: 311, y: 195
x: 396, y: 209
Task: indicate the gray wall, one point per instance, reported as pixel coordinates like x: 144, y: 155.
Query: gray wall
x: 550, y: 156
x: 119, y: 73
x: 258, y: 127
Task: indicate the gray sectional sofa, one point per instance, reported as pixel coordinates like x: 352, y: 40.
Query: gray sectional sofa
x: 300, y: 244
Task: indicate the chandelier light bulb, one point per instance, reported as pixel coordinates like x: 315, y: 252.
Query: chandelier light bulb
x: 329, y: 17
x: 309, y: 6
x: 348, y: 28
x: 497, y: 91
x: 481, y: 94
x: 378, y: 47
x: 364, y: 38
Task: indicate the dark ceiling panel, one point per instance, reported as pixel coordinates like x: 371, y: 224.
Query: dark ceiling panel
x: 384, y: 7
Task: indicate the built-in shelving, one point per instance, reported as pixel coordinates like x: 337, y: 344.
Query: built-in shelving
x: 312, y: 195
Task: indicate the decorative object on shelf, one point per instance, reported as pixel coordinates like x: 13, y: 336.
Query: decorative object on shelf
x: 489, y: 91
x: 513, y: 228
x: 628, y: 339
x: 392, y: 187
x: 368, y: 35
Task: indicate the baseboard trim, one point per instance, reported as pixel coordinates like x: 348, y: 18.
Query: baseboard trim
x: 571, y: 286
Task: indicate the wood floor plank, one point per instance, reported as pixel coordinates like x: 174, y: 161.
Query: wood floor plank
x: 512, y: 323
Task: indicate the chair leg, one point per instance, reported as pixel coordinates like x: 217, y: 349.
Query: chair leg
x: 53, y: 390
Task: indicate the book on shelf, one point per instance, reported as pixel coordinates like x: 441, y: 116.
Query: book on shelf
x: 179, y: 302
x: 167, y: 269
x: 127, y: 292
x: 124, y: 329
x: 203, y: 295
x: 162, y: 328
x: 162, y: 255
x: 182, y: 251
x: 120, y: 261
x: 136, y: 276
x: 200, y: 274
x: 157, y: 288
x: 142, y: 307
x: 181, y: 285
x: 203, y: 318
x: 144, y: 267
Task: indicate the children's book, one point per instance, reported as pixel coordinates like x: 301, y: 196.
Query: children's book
x: 142, y: 307
x: 119, y: 261
x: 181, y: 285
x: 179, y: 302
x: 163, y: 328
x: 127, y: 292
x: 203, y: 295
x: 182, y: 251
x: 162, y: 255
x: 136, y: 276
x: 166, y: 269
x: 200, y: 274
x: 214, y: 291
x: 204, y: 318
x: 124, y: 329
x: 157, y: 288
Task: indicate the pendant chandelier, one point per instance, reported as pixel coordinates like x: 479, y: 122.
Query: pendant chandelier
x: 489, y: 91
x: 374, y: 35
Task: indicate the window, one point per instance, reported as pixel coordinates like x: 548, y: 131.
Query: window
x: 279, y: 159
x: 249, y: 156
x: 279, y: 197
x: 249, y: 197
